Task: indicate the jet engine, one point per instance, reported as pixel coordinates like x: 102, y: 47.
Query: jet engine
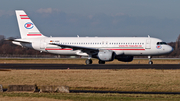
x: 106, y: 55
x: 124, y: 58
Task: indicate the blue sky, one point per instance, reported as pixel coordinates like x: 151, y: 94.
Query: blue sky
x: 110, y: 18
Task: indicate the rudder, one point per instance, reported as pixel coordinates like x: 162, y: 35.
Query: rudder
x: 26, y: 27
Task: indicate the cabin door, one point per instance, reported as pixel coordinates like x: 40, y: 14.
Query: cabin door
x: 148, y: 43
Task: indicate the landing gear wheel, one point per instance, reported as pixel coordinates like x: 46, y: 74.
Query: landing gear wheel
x: 101, y: 62
x: 150, y: 62
x: 88, y: 61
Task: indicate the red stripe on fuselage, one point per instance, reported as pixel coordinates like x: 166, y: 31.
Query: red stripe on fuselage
x: 57, y: 49
x: 107, y: 49
x: 126, y: 49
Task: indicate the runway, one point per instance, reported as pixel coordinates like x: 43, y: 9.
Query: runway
x: 121, y: 92
x: 93, y: 66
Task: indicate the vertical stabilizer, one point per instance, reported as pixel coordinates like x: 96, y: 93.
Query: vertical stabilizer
x: 26, y: 27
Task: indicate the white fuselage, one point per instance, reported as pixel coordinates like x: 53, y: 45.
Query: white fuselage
x: 134, y: 46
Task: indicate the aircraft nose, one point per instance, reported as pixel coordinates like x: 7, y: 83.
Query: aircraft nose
x: 170, y: 49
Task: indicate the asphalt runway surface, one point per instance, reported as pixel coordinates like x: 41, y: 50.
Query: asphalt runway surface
x: 92, y: 66
x: 121, y: 92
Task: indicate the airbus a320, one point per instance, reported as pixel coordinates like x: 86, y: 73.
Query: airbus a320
x: 104, y: 49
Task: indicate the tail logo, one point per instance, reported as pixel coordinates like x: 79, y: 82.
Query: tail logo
x: 29, y: 25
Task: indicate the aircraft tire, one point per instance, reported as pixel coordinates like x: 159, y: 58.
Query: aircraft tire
x: 88, y: 61
x: 101, y: 62
x: 150, y: 62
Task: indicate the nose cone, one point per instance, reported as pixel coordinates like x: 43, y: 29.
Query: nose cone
x: 169, y: 49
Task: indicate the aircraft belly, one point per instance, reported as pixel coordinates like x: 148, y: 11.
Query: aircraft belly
x: 62, y: 52
x: 141, y: 52
x: 134, y: 52
x: 119, y: 52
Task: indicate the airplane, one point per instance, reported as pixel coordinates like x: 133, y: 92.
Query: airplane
x: 103, y: 48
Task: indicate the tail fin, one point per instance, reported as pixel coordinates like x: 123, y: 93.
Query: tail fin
x: 26, y: 27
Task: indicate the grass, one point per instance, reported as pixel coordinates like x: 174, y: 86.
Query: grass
x: 89, y: 97
x: 116, y: 80
x: 148, y: 80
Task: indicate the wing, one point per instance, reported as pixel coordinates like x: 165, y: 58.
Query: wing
x: 87, y: 50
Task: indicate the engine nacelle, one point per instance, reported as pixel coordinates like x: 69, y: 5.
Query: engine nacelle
x: 106, y: 55
x: 124, y: 58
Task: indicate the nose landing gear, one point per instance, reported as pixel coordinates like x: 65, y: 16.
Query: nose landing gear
x: 150, y: 62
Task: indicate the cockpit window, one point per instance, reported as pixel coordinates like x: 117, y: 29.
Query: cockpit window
x: 161, y: 43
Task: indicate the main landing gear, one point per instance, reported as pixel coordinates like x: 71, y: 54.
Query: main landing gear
x: 88, y: 61
x: 150, y: 62
x: 101, y: 62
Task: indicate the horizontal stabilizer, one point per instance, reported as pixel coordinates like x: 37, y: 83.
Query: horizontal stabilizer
x: 19, y: 40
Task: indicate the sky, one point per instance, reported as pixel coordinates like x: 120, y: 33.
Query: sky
x: 103, y: 18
